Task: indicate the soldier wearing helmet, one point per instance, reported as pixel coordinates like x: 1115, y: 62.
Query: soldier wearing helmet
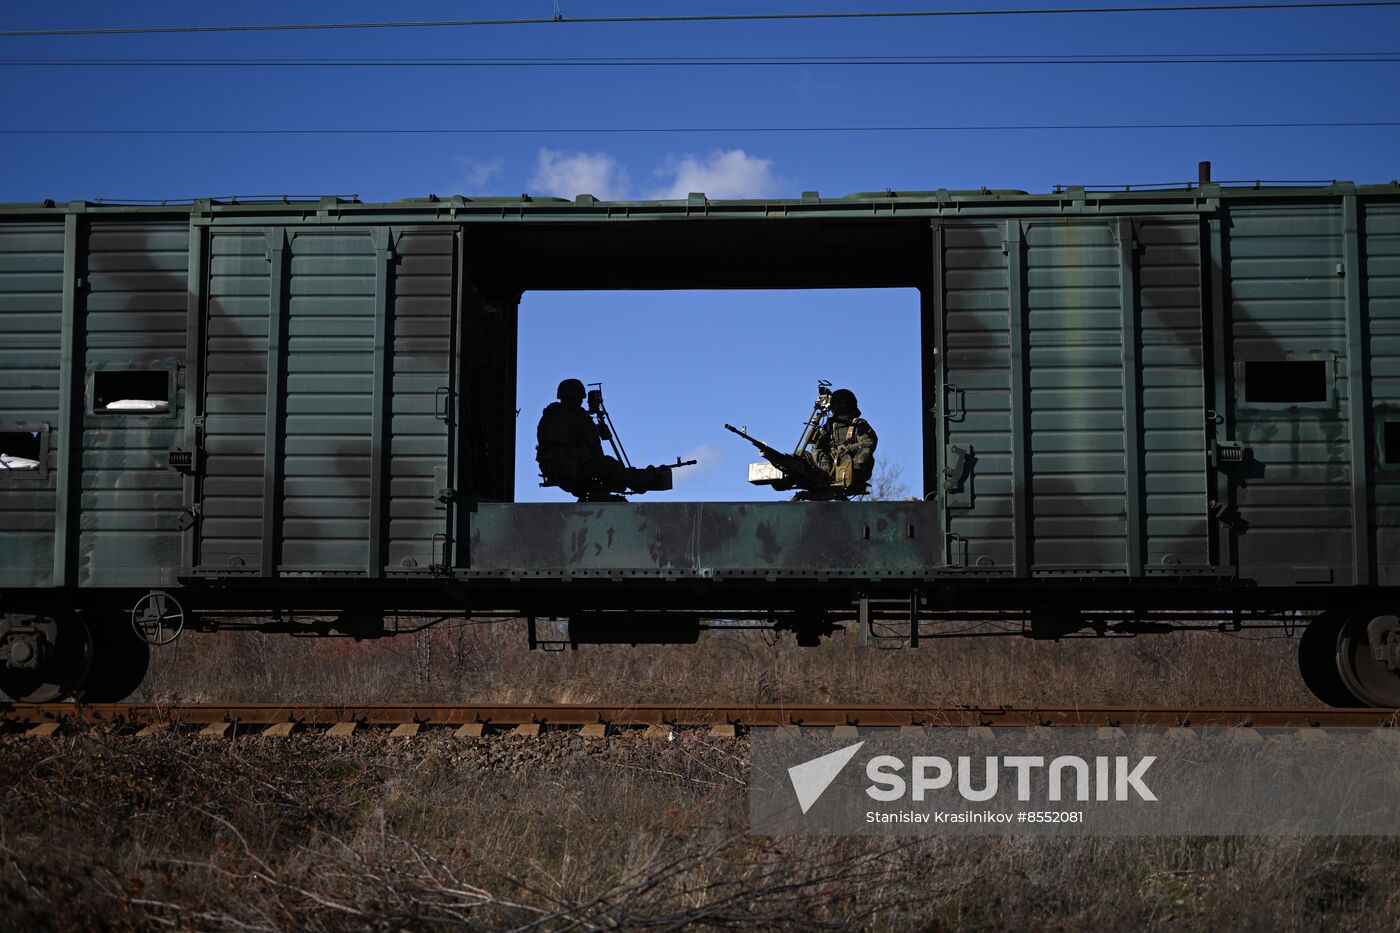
x: 569, y: 446
x: 845, y: 446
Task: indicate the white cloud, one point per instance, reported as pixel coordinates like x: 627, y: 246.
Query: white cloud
x: 472, y: 174
x: 724, y: 173
x: 568, y: 174
x: 709, y: 458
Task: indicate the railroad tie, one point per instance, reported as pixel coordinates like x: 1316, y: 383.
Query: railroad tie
x: 592, y: 721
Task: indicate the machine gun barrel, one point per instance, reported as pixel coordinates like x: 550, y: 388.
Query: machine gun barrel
x: 797, y: 470
x: 768, y: 452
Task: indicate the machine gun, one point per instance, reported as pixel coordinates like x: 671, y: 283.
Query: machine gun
x: 632, y: 480
x: 789, y: 471
x: 798, y: 470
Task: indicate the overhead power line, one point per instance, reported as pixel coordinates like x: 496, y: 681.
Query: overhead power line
x: 698, y: 18
x: 1185, y: 58
x: 552, y: 131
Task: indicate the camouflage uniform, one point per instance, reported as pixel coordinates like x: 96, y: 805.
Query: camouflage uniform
x: 568, y: 447
x: 845, y: 447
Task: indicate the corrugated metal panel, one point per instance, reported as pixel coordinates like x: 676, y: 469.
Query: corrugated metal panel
x: 235, y: 400
x: 135, y: 318
x: 1075, y: 338
x: 1287, y: 303
x: 31, y: 297
x: 1173, y: 392
x: 329, y: 391
x: 1381, y: 249
x: 976, y: 402
x: 422, y: 365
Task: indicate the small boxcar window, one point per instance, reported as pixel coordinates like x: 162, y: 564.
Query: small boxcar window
x: 131, y: 390
x: 1390, y: 442
x: 22, y: 451
x: 1286, y: 382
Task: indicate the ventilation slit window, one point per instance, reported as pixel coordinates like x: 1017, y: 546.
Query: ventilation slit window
x: 1286, y: 382
x: 131, y: 390
x: 1390, y: 443
x: 21, y: 451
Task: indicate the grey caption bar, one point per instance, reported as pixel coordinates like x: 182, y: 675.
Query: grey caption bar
x: 1077, y: 782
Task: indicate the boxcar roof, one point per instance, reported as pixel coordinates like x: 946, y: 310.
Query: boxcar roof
x: 866, y: 204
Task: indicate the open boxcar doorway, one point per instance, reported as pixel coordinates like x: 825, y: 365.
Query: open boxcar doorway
x: 675, y: 366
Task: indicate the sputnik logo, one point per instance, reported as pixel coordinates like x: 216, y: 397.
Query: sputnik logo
x: 811, y: 778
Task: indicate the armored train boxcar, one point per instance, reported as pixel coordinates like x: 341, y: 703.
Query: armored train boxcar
x: 1141, y: 409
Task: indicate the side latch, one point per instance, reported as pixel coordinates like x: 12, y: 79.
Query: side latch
x: 182, y: 461
x: 1226, y: 455
x: 959, y: 468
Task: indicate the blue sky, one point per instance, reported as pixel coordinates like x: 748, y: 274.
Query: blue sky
x: 664, y: 356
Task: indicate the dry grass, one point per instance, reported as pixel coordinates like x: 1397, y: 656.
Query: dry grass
x: 562, y: 833
x: 491, y: 663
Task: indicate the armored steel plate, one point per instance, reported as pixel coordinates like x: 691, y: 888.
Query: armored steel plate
x: 703, y: 538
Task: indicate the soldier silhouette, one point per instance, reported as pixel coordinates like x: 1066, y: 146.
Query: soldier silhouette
x: 569, y: 450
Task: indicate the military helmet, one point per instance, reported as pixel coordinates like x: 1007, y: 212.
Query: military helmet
x: 843, y: 402
x: 570, y: 390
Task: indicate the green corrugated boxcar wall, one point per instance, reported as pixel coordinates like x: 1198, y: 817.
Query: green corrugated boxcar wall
x: 1287, y: 280
x: 31, y: 313
x: 1090, y: 357
x: 1383, y: 314
x: 358, y: 307
x: 1074, y: 406
x: 133, y: 312
x: 118, y: 305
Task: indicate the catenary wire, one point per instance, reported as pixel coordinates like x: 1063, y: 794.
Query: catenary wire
x: 504, y: 131
x: 698, y: 18
x: 1245, y: 58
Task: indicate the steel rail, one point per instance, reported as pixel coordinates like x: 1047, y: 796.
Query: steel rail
x: 620, y: 716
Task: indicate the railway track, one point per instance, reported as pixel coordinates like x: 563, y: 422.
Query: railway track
x: 470, y: 720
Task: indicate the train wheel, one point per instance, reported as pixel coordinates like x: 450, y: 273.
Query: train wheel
x: 120, y: 659
x: 44, y: 658
x: 1317, y: 659
x: 1368, y: 657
